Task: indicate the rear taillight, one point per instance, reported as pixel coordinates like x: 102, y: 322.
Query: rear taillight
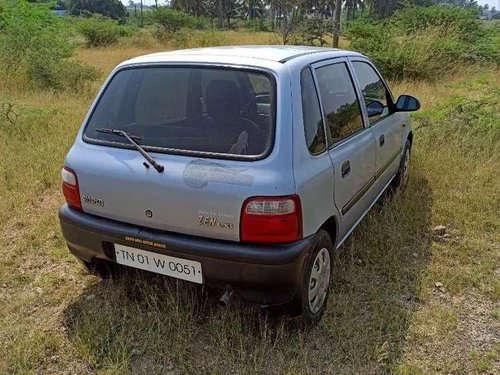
x: 271, y: 220
x: 70, y: 188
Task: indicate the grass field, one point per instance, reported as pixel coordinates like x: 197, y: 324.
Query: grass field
x: 403, y: 301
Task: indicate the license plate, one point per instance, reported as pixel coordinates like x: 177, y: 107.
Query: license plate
x: 166, y: 265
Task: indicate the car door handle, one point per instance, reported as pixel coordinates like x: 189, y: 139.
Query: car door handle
x: 346, y: 168
x: 381, y: 140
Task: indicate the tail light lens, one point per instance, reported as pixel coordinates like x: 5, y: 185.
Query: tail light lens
x: 271, y: 220
x: 70, y: 188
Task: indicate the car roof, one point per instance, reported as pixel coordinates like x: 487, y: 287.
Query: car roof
x: 274, y: 53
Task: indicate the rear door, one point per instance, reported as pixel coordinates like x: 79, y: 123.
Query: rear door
x: 351, y: 145
x: 385, y: 124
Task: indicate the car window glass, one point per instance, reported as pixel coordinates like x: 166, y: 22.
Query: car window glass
x: 374, y: 91
x: 311, y: 112
x: 339, y: 100
x: 211, y: 75
x: 157, y: 101
x: 188, y: 109
x: 260, y: 84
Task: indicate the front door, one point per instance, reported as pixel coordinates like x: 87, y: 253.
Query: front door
x: 351, y: 145
x: 386, y: 125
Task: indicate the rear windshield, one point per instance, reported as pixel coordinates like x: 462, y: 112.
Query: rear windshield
x: 188, y: 110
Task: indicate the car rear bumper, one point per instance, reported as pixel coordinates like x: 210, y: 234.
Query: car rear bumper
x: 267, y: 274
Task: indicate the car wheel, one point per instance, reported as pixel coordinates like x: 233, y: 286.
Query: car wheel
x: 312, y: 299
x: 400, y: 181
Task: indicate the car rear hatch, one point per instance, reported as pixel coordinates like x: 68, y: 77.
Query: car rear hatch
x: 213, y: 131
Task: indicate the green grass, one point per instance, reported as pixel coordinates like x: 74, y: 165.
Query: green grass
x: 385, y: 314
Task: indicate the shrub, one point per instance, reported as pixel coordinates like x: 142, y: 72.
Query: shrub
x: 421, y: 42
x: 180, y: 38
x: 108, y: 8
x: 257, y: 24
x: 208, y: 38
x: 33, y: 44
x: 170, y: 20
x: 312, y: 32
x: 142, y: 39
x: 448, y: 19
x: 200, y: 23
x: 99, y: 31
x: 186, y: 38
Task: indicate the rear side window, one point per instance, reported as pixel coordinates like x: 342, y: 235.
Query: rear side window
x: 374, y: 91
x: 188, y: 110
x: 311, y: 112
x: 339, y: 100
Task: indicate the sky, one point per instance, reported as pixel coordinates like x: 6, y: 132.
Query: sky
x: 491, y: 3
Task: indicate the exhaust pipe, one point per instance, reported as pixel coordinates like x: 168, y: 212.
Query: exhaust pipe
x: 226, y: 298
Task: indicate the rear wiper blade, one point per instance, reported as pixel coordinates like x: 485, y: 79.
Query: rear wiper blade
x: 118, y: 132
x: 133, y: 141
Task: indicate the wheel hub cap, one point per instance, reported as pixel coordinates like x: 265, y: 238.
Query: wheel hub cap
x: 319, y: 280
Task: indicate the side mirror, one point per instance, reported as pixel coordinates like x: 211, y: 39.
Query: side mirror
x: 407, y: 103
x: 375, y: 108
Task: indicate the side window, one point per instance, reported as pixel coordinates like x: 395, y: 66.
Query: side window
x: 374, y: 91
x: 311, y: 113
x: 340, y: 103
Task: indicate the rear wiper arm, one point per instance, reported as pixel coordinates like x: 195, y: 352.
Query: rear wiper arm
x: 133, y: 141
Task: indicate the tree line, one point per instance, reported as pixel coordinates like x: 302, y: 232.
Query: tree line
x: 275, y: 9
x: 284, y: 15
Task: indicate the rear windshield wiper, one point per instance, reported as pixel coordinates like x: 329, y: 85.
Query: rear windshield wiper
x: 133, y: 141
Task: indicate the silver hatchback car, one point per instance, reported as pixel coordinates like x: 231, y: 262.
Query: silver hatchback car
x: 237, y: 167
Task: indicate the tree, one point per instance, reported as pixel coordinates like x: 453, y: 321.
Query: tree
x: 108, y: 8
x: 252, y: 8
x: 290, y: 14
x: 336, y: 23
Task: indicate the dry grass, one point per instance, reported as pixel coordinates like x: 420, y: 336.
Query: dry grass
x: 385, y: 314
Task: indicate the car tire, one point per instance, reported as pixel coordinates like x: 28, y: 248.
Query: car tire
x: 311, y: 300
x: 400, y: 181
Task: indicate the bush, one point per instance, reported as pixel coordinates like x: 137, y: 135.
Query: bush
x: 257, y: 24
x: 99, y: 31
x: 107, y: 8
x: 179, y: 39
x: 208, y: 38
x: 448, y: 19
x: 421, y: 42
x: 312, y: 32
x: 142, y: 39
x: 200, y: 23
x: 33, y: 45
x: 170, y: 20
x: 187, y: 38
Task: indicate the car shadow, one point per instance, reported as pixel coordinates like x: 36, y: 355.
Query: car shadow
x: 143, y: 323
